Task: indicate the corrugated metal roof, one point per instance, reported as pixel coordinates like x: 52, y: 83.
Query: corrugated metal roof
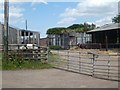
x: 106, y: 27
x: 13, y: 27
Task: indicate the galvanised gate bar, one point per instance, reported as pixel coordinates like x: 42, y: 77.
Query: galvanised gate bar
x: 103, y: 66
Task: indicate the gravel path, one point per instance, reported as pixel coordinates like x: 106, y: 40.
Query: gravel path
x: 52, y: 78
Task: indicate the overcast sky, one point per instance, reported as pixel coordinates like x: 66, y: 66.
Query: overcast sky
x: 42, y: 14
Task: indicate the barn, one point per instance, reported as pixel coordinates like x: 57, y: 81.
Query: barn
x: 20, y: 36
x: 107, y: 36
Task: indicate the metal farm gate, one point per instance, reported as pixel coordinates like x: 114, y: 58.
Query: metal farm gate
x: 104, y: 66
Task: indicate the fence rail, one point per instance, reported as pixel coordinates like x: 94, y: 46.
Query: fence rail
x: 97, y: 65
x: 98, y: 46
x: 31, y: 53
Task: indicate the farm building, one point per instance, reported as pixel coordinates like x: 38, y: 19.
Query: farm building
x: 44, y: 42
x: 108, y: 36
x: 20, y: 36
x: 59, y: 40
x: 67, y: 40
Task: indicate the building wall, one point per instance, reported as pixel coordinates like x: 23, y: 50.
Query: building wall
x: 15, y: 36
x: 44, y: 42
x: 69, y: 39
x: 59, y: 40
x: 112, y: 37
x: 37, y: 38
x: 28, y: 37
x: 12, y: 36
x: 83, y: 38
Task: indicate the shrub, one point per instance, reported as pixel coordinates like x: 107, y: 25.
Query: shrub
x: 17, y: 61
x: 54, y: 47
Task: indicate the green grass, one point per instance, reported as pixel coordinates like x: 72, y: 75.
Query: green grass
x: 18, y: 63
x: 55, y: 59
x: 30, y: 64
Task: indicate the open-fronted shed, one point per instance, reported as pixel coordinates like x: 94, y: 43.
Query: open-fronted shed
x: 107, y: 35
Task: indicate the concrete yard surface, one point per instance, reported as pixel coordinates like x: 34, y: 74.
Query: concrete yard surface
x: 52, y: 78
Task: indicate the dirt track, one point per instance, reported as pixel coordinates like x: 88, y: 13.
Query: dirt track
x: 52, y: 78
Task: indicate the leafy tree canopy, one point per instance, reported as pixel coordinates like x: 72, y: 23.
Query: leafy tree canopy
x: 73, y: 28
x: 116, y: 19
x: 82, y: 27
x: 55, y: 30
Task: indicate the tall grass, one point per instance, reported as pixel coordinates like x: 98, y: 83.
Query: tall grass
x: 17, y: 62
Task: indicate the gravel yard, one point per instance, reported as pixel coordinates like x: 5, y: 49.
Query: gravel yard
x: 52, y: 78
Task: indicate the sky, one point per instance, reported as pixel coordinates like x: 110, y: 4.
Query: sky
x: 42, y: 15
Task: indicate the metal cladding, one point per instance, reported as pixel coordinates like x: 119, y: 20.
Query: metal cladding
x: 20, y: 36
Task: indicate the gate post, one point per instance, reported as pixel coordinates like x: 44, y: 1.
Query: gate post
x: 68, y: 61
x: 47, y: 54
x: 93, y: 65
x: 59, y: 60
x: 108, y: 66
x: 79, y: 63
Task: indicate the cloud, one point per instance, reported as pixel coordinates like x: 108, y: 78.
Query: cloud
x: 1, y: 12
x: 1, y: 5
x: 106, y: 20
x: 15, y: 13
x: 1, y: 17
x: 102, y: 9
x: 33, y: 9
x: 66, y: 21
x: 34, y: 2
x: 70, y: 12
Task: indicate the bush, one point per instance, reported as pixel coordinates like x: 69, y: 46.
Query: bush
x: 16, y: 61
x: 55, y: 47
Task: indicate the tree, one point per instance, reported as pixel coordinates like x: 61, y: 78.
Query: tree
x: 82, y: 27
x: 116, y: 19
x: 55, y: 30
x: 73, y: 28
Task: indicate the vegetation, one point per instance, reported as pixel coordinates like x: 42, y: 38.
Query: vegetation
x: 16, y: 62
x: 82, y: 27
x: 53, y: 58
x: 54, y: 47
x: 26, y: 65
x: 116, y: 19
x: 73, y: 28
x: 55, y: 30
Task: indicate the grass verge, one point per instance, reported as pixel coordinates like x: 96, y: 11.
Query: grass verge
x: 30, y: 64
x: 55, y: 59
x: 17, y: 62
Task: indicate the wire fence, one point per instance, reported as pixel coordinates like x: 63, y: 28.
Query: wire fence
x: 105, y: 66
